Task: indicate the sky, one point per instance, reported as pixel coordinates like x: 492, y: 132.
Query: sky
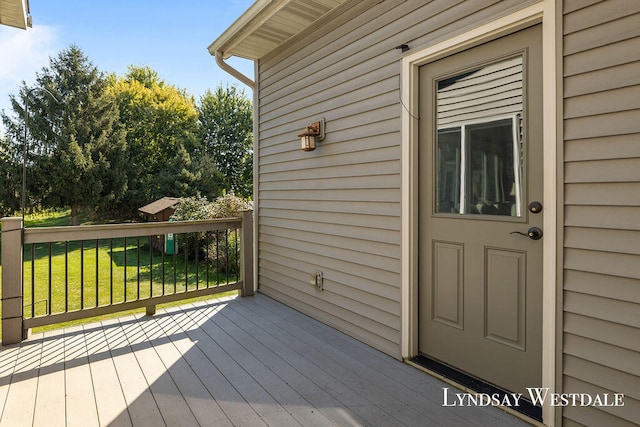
x: 169, y: 36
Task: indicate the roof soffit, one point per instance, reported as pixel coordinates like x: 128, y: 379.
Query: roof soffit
x: 267, y: 24
x: 15, y: 13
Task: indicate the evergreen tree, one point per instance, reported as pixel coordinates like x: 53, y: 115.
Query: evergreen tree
x: 10, y: 174
x: 76, y: 146
x: 188, y: 175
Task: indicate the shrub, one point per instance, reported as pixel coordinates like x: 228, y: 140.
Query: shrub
x: 198, y: 207
x: 193, y: 208
x: 221, y: 248
x: 229, y: 206
x: 224, y: 251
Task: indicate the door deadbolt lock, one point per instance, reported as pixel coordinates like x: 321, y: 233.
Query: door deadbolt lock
x: 535, y: 207
x: 534, y: 233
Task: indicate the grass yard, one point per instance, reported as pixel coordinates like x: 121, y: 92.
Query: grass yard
x: 114, y: 271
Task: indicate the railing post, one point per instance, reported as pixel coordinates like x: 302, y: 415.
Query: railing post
x: 246, y: 254
x: 12, y: 331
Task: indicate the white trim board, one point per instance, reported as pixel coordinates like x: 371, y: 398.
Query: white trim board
x: 542, y: 12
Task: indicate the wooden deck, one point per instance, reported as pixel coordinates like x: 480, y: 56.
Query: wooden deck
x: 230, y: 362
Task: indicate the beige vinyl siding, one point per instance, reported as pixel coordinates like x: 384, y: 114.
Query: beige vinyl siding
x: 338, y: 209
x: 601, y: 301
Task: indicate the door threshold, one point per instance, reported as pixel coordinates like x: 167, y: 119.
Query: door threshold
x: 467, y: 382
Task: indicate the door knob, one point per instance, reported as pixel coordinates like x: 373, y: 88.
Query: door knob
x: 534, y: 233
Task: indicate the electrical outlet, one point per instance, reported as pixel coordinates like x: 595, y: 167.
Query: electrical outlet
x: 316, y: 279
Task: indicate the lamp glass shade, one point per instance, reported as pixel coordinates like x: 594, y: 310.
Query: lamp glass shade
x: 308, y: 142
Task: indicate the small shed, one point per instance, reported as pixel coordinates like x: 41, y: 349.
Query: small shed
x: 160, y: 210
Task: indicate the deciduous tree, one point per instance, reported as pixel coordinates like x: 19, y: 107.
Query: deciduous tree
x: 160, y: 120
x: 226, y: 129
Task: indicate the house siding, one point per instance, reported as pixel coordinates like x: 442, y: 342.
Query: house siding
x: 338, y: 209
x: 601, y: 277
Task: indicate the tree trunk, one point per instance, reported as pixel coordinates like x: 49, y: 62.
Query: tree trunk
x: 74, y: 214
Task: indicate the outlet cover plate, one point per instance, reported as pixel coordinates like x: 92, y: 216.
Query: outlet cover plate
x: 317, y: 280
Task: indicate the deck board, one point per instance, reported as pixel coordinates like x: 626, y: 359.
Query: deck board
x: 201, y: 403
x: 171, y: 403
x: 242, y: 346
x: 81, y: 409
x: 313, y: 383
x: 231, y: 402
x: 8, y: 359
x: 299, y: 391
x: 20, y: 403
x: 50, y: 399
x: 417, y: 391
x: 252, y: 391
x: 379, y: 407
x: 140, y: 403
x: 106, y: 385
x: 227, y: 362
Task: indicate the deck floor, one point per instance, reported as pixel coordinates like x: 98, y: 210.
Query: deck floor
x: 229, y: 362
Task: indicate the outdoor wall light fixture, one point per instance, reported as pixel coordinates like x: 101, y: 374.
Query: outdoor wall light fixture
x: 311, y: 135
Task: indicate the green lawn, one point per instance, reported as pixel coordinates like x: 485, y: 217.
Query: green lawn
x: 124, y: 273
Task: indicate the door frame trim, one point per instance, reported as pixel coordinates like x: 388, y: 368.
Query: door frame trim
x: 543, y: 12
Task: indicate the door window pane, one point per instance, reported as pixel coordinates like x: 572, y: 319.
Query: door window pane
x: 491, y: 188
x: 478, y: 148
x: 449, y: 142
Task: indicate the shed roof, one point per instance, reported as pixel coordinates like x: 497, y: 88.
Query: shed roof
x: 159, y: 205
x: 268, y: 24
x: 15, y: 13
